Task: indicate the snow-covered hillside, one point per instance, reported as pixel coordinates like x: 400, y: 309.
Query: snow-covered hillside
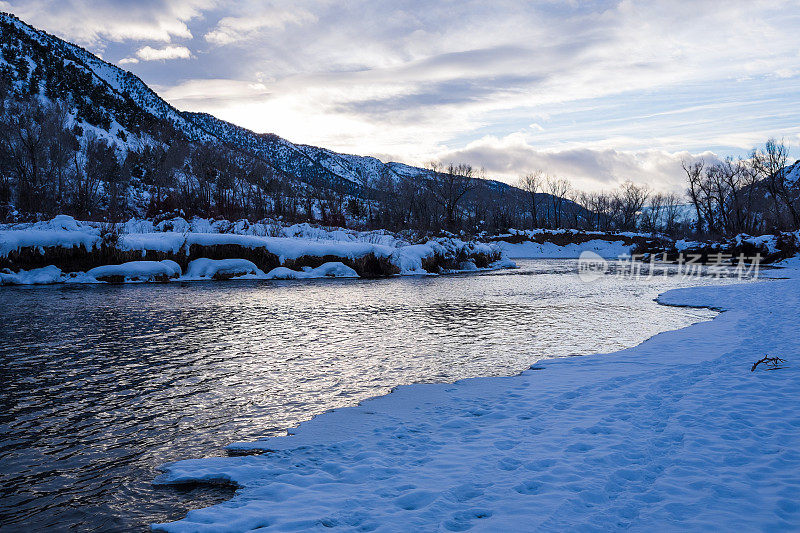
x: 308, y: 163
x: 103, y: 78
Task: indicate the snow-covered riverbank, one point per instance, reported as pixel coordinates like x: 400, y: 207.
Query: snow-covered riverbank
x: 549, y: 250
x: 64, y: 250
x: 675, y: 433
x: 569, y: 244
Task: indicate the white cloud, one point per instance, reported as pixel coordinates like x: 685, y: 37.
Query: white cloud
x: 128, y: 61
x: 588, y: 168
x: 233, y: 29
x: 91, y: 22
x: 196, y: 95
x: 383, y: 77
x: 626, y: 82
x: 149, y: 53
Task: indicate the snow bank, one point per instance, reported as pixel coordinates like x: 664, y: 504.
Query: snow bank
x: 533, y: 233
x: 674, y: 434
x: 180, y: 237
x: 409, y: 258
x: 683, y: 245
x: 37, y: 276
x: 199, y: 269
x: 548, y: 250
x: 503, y: 264
x: 136, y: 271
x: 284, y: 247
x: 203, y: 269
x: 329, y: 270
x: 222, y: 269
x: 63, y: 231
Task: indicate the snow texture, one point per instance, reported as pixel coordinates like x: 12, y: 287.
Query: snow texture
x: 138, y: 271
x: 288, y: 243
x: 326, y: 270
x: 548, y: 250
x: 209, y: 268
x: 284, y: 248
x: 200, y: 269
x: 37, y: 276
x: 63, y: 231
x: 674, y: 434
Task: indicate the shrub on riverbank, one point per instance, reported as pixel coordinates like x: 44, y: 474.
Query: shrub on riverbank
x: 74, y: 246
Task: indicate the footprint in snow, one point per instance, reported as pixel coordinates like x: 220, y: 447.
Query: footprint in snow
x: 416, y: 500
x: 529, y: 487
x: 462, y: 520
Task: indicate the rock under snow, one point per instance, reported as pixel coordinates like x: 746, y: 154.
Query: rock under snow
x: 136, y: 271
x: 330, y: 270
x: 37, y: 276
x: 222, y: 269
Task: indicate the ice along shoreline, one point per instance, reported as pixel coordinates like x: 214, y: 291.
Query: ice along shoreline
x: 675, y: 432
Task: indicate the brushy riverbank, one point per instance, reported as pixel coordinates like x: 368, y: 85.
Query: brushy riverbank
x: 64, y: 250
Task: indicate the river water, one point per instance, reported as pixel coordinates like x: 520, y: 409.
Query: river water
x: 101, y: 384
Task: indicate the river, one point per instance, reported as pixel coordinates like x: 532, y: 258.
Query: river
x: 103, y: 383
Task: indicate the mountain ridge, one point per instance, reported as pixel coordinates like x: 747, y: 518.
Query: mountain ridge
x: 205, y: 127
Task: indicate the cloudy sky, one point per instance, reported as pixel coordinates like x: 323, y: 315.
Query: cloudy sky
x: 595, y: 91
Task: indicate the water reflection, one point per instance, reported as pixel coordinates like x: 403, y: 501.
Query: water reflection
x: 101, y: 384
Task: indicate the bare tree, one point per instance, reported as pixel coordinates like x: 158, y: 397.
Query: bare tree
x: 672, y: 205
x: 531, y: 184
x: 631, y: 199
x: 586, y: 201
x: 652, y: 215
x: 694, y: 172
x: 448, y: 186
x: 100, y: 165
x: 771, y: 165
x: 558, y: 189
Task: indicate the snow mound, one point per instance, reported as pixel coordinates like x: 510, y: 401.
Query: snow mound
x: 66, y: 223
x: 222, y: 269
x: 37, y: 276
x: 548, y: 250
x: 329, y: 270
x: 136, y: 271
x: 468, y: 266
x: 63, y: 231
x: 503, y: 263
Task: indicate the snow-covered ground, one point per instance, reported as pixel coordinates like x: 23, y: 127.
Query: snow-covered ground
x: 549, y: 250
x: 606, y: 245
x: 674, y: 434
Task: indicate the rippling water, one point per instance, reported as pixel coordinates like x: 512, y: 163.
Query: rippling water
x: 101, y: 384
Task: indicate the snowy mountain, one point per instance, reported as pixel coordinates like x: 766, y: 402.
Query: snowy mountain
x: 168, y: 160
x: 34, y: 60
x: 122, y: 97
x: 793, y: 174
x: 292, y: 159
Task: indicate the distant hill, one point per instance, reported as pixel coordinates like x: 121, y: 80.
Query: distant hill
x: 192, y: 161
